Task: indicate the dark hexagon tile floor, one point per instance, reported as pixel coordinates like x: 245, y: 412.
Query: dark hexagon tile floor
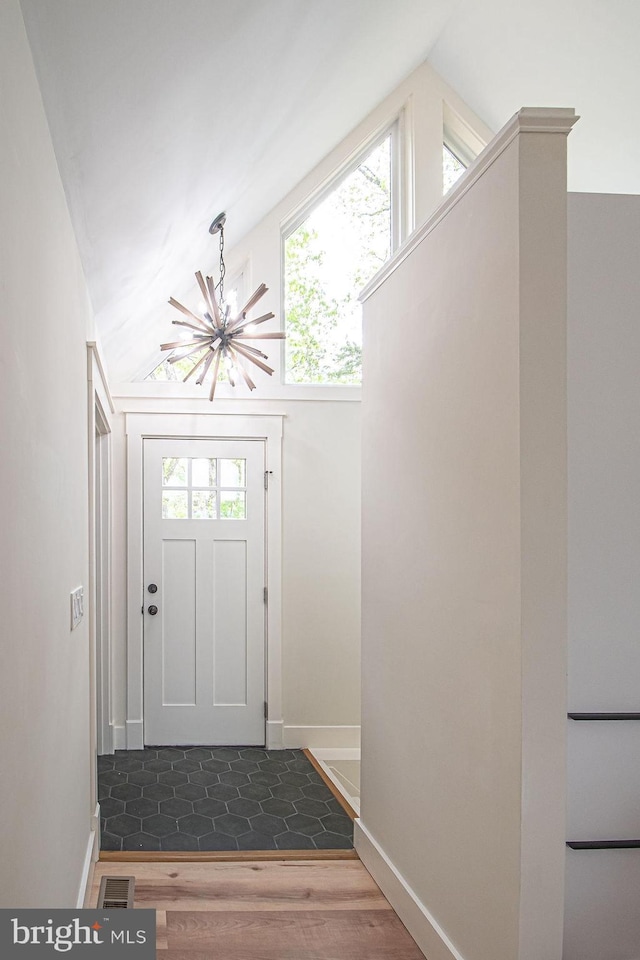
x: 217, y: 798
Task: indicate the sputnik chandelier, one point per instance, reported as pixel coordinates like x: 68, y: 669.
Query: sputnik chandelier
x: 218, y: 336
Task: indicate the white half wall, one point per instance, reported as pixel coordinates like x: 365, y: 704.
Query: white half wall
x: 45, y: 748
x: 464, y: 559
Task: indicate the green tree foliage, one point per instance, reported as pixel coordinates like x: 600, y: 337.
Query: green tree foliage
x: 321, y: 295
x: 310, y: 313
x: 452, y: 168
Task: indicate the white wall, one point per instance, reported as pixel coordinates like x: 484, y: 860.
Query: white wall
x: 602, y: 920
x: 44, y: 683
x: 321, y: 564
x: 464, y: 557
x: 320, y: 560
x: 604, y: 456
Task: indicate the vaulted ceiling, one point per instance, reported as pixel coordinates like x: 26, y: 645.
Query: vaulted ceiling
x: 165, y: 112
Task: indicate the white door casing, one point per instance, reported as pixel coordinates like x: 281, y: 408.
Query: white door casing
x: 195, y: 421
x: 204, y: 622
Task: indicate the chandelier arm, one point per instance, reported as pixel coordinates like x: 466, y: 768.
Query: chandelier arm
x: 195, y: 367
x: 263, y: 366
x: 189, y: 313
x: 240, y: 366
x: 176, y: 344
x: 216, y: 367
x: 205, y: 369
x: 253, y: 350
x: 205, y: 293
x: 261, y: 336
x: 182, y: 356
x: 251, y: 302
x: 192, y: 326
x: 227, y: 355
x: 237, y: 327
x: 189, y: 353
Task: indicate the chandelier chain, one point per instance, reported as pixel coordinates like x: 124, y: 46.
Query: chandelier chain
x: 223, y: 269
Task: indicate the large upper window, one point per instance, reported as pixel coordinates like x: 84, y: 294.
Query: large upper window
x: 328, y: 257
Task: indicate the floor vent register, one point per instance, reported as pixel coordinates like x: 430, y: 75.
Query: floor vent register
x: 116, y: 893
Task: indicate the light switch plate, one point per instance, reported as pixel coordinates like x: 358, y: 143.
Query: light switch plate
x: 77, y: 606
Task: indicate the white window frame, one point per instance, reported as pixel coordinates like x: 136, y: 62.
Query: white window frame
x: 398, y: 127
x: 458, y: 137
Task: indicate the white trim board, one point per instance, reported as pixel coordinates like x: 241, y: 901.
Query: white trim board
x: 226, y: 394
x: 325, y: 757
x: 321, y: 736
x: 101, y: 380
x: 92, y: 853
x: 140, y: 426
x: 335, y: 754
x: 274, y: 735
x: 118, y: 737
x: 423, y: 927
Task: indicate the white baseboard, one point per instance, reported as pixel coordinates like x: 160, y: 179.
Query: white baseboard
x: 135, y: 735
x: 274, y: 735
x: 105, y: 740
x: 91, y: 855
x: 342, y: 741
x: 425, y: 930
x: 329, y: 754
x: 118, y: 737
x: 341, y: 736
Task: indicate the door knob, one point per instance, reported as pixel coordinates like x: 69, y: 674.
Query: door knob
x: 152, y: 588
x: 152, y: 609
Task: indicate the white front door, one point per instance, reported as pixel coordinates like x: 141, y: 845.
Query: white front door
x: 204, y: 592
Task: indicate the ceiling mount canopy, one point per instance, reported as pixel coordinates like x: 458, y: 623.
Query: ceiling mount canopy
x: 218, y: 224
x: 216, y: 335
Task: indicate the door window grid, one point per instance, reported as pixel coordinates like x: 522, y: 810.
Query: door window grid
x: 204, y: 488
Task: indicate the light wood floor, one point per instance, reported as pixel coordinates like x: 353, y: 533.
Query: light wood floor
x: 266, y: 910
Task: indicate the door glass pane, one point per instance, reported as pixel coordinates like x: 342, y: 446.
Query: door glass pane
x: 174, y: 505
x: 233, y: 505
x: 232, y: 473
x: 174, y: 471
x: 203, y: 472
x: 203, y: 505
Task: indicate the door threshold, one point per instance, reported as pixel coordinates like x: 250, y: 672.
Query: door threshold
x: 221, y: 856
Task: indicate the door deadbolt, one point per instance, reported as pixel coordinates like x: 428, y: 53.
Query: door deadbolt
x: 152, y: 588
x: 152, y: 609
